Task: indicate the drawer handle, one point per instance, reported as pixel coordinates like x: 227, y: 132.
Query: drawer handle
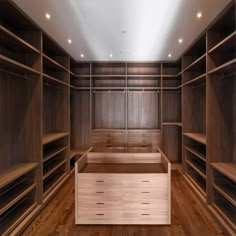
x: 100, y: 181
x: 145, y: 203
x: 99, y: 214
x: 145, y: 181
x: 99, y: 192
x: 145, y: 214
x: 100, y: 203
x: 145, y: 192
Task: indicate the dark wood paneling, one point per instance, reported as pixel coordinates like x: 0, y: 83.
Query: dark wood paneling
x: 171, y: 142
x: 20, y: 122
x: 171, y: 106
x: 143, y: 110
x: 109, y: 110
x: 80, y: 119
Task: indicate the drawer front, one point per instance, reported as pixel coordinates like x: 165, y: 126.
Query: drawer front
x: 143, y: 139
x: 99, y: 180
x: 108, y: 139
x: 104, y: 193
x: 114, y: 203
x: 146, y: 181
x: 123, y: 180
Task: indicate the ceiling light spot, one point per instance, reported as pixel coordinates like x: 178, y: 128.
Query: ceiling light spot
x: 169, y: 55
x: 180, y: 40
x: 69, y: 41
x: 82, y: 55
x: 48, y: 16
x: 111, y: 55
x: 199, y: 15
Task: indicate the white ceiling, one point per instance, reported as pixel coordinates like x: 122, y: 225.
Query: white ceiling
x: 94, y: 26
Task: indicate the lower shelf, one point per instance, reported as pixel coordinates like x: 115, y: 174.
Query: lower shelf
x: 53, y: 180
x: 14, y: 215
x: 198, y: 181
x: 225, y: 209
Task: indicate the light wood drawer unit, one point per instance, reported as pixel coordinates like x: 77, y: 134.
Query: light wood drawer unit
x: 122, y: 197
x: 108, y: 139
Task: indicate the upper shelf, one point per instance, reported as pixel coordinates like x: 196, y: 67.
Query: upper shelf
x: 52, y: 64
x: 48, y: 138
x: 17, y: 67
x: 201, y: 138
x: 12, y: 40
x: 16, y: 171
x: 228, y: 169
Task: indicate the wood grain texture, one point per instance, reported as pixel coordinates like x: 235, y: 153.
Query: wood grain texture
x: 109, y: 110
x: 80, y: 119
x: 189, y: 217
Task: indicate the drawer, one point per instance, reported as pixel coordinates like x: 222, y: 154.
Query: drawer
x: 145, y: 204
x: 145, y: 181
x: 145, y: 193
x: 123, y: 180
x: 99, y: 180
x: 108, y: 139
x: 143, y: 139
x: 100, y: 192
x: 99, y: 213
x: 114, y: 203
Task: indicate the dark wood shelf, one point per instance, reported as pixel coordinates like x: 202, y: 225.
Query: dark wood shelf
x: 196, y: 168
x: 52, y: 64
x: 194, y: 63
x: 195, y: 81
x: 15, y: 172
x: 227, y: 169
x: 15, y: 67
x: 48, y: 138
x: 201, y: 138
x: 10, y: 39
x: 53, y: 181
x: 14, y: 196
x: 52, y: 80
x: 196, y: 152
x: 230, y: 39
x: 228, y: 66
x: 52, y: 167
x: 79, y: 76
x: 53, y: 152
x: 225, y: 195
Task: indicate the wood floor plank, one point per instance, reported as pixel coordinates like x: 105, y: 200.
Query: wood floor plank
x: 189, y: 217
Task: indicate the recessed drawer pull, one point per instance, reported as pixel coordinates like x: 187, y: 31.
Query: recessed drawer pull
x: 100, y: 181
x: 145, y: 192
x: 99, y: 214
x: 145, y: 214
x: 145, y: 181
x: 145, y: 203
x: 99, y: 192
x: 100, y: 203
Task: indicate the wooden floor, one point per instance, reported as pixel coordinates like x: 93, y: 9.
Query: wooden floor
x: 189, y: 217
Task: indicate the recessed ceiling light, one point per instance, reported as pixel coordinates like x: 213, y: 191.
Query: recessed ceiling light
x: 199, y: 15
x: 48, y: 16
x: 180, y: 40
x: 82, y: 55
x: 111, y: 55
x: 69, y: 41
x: 169, y: 55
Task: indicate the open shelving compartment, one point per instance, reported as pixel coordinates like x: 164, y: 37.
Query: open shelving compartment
x: 171, y: 120
x: 55, y: 135
x: 194, y: 116
x: 221, y: 85
x: 80, y: 74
